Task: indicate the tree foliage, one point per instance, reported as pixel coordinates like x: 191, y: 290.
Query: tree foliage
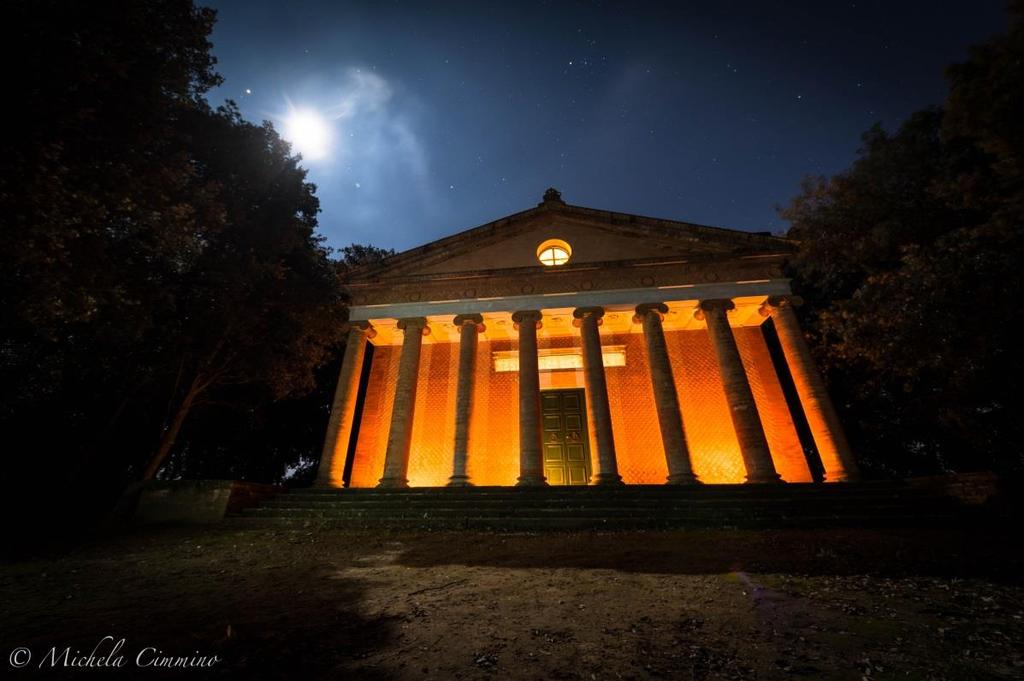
x: 360, y: 255
x: 159, y: 259
x: 911, y: 262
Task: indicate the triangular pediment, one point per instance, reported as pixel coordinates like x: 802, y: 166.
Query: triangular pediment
x: 595, y: 236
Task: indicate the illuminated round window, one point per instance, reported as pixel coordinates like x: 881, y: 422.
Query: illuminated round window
x: 554, y: 252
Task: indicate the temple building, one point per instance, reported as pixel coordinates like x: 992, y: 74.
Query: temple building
x: 565, y: 345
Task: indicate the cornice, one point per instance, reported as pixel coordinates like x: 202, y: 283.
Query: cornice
x: 613, y: 275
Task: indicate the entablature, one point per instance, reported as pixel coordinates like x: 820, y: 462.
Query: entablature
x: 656, y: 273
x: 557, y: 309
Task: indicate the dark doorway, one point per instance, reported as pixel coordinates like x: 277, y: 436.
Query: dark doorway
x: 566, y: 446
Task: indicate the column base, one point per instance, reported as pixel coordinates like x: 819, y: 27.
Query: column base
x: 607, y: 479
x: 459, y: 481
x: 532, y: 481
x: 769, y: 479
x: 393, y: 483
x: 683, y: 479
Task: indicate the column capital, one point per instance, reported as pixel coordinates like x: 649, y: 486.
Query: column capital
x: 474, y: 319
x: 773, y: 303
x: 409, y: 323
x: 365, y: 327
x: 527, y: 316
x: 660, y: 309
x: 724, y: 304
x: 583, y: 313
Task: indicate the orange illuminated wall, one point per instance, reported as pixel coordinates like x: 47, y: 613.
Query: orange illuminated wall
x: 709, y: 429
x: 433, y: 423
x: 368, y: 463
x: 494, y: 425
x: 783, y: 441
x: 706, y: 421
x: 638, y: 449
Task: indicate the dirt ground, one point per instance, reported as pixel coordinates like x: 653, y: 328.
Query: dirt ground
x: 712, y: 604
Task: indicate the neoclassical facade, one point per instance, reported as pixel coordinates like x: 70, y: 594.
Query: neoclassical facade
x: 565, y: 345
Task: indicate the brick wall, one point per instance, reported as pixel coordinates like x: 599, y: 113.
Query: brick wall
x: 368, y: 464
x: 494, y: 426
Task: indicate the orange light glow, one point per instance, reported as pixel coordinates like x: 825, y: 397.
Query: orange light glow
x: 368, y: 465
x: 494, y: 423
x: 709, y: 431
x: 560, y: 359
x: 783, y: 441
x: 639, y: 453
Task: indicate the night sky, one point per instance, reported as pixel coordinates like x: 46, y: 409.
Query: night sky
x: 444, y: 116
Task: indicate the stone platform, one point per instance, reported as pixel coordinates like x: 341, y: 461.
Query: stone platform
x: 865, y: 504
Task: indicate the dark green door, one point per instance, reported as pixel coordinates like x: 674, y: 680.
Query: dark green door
x: 566, y: 447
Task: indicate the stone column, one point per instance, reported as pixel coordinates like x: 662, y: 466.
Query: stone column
x: 469, y: 326
x: 531, y: 457
x: 396, y: 460
x: 666, y: 400
x: 753, y: 444
x: 588, y: 319
x: 829, y: 438
x: 343, y: 409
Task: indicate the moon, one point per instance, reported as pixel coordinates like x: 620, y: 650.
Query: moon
x: 309, y: 133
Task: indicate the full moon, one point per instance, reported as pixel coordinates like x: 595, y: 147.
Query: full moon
x: 309, y: 133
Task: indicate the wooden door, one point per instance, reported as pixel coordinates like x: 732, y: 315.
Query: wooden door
x: 566, y: 446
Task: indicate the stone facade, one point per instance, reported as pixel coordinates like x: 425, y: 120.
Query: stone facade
x: 658, y: 322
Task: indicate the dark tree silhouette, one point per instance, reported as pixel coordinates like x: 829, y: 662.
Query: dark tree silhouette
x: 911, y: 261
x: 158, y: 258
x: 359, y: 255
x: 259, y: 303
x: 250, y: 436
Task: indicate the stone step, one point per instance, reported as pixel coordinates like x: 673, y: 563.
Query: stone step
x: 600, y: 511
x: 569, y: 501
x: 534, y: 523
x: 801, y: 488
x: 639, y: 501
x: 873, y: 504
x: 644, y: 485
x: 785, y: 494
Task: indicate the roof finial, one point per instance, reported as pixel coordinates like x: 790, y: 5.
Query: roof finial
x: 552, y: 195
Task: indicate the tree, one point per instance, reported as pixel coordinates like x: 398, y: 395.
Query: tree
x: 910, y: 262
x: 360, y: 255
x: 254, y: 437
x: 260, y: 302
x: 95, y: 191
x: 157, y: 256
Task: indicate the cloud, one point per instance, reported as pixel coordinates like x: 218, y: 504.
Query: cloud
x: 378, y: 159
x: 363, y: 92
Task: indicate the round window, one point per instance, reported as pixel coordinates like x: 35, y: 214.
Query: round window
x: 554, y: 252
